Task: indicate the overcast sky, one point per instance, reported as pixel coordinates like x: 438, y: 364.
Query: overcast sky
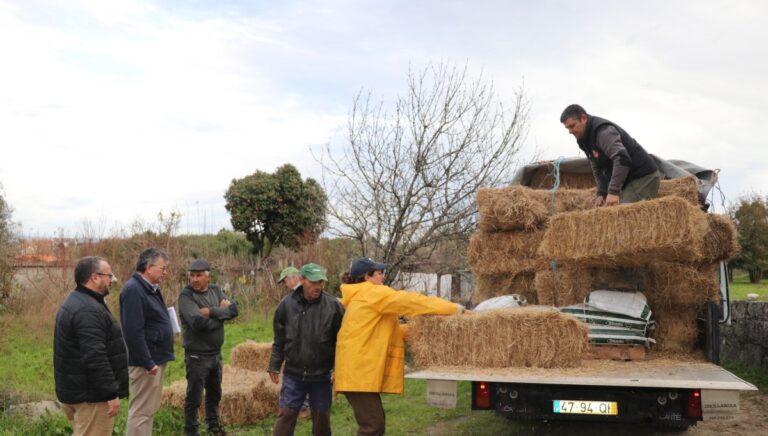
x: 112, y: 111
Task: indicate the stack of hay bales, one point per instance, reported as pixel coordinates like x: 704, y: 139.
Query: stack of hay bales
x: 525, y: 337
x: 555, y: 248
x: 247, y: 396
x: 251, y: 355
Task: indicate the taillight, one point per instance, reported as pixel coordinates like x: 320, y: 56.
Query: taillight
x: 482, y: 395
x: 694, y: 404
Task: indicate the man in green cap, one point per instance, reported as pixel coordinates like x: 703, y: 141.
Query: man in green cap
x: 305, y: 326
x: 290, y: 277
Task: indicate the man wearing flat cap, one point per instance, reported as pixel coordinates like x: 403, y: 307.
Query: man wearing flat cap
x: 203, y: 308
x: 305, y: 326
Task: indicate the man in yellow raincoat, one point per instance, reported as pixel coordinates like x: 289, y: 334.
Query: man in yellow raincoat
x: 370, y: 346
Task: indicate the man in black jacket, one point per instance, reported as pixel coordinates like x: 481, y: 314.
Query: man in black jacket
x: 623, y: 171
x: 305, y: 326
x: 89, y: 357
x: 149, y: 338
x: 203, y: 308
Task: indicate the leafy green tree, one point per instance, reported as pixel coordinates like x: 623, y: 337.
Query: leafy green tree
x: 277, y: 209
x: 751, y: 219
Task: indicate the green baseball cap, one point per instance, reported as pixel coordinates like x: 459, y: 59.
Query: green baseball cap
x: 287, y: 272
x: 313, y: 272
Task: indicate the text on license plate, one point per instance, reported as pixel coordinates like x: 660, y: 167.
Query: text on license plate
x: 586, y: 407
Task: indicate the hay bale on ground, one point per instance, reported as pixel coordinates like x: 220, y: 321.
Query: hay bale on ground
x: 685, y: 187
x: 671, y: 285
x: 247, y: 396
x: 563, y: 286
x: 252, y: 355
x: 676, y: 328
x: 496, y: 285
x: 721, y: 240
x: 504, y: 252
x: 637, y: 234
x: 526, y: 336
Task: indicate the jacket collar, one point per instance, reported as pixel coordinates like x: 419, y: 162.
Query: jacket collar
x: 149, y: 287
x: 298, y: 293
x: 98, y: 297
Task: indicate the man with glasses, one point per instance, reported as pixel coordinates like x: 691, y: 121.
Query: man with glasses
x: 149, y: 337
x: 89, y: 355
x: 203, y: 308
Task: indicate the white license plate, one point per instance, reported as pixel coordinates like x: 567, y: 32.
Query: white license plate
x: 580, y: 407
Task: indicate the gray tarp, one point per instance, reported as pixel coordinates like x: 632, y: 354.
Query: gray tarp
x: 670, y: 169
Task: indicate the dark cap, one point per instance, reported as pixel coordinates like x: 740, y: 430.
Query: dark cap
x: 363, y: 266
x: 199, y: 265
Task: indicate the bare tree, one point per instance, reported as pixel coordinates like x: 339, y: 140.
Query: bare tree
x: 404, y: 183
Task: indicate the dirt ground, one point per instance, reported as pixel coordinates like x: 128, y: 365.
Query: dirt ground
x: 752, y: 420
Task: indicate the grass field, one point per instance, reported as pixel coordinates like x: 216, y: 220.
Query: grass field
x: 741, y: 287
x: 26, y: 375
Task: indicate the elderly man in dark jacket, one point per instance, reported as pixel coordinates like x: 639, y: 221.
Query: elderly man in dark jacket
x: 149, y: 337
x: 89, y: 356
x: 203, y: 308
x: 305, y: 326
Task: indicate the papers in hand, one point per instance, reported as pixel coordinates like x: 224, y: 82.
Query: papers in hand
x: 174, y: 319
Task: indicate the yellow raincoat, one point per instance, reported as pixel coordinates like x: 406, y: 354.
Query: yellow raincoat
x: 370, y: 347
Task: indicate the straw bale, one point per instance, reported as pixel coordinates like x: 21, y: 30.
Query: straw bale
x: 563, y: 286
x: 671, y: 285
x: 686, y: 188
x: 509, y: 208
x: 526, y: 336
x: 721, y: 241
x: 247, y: 396
x: 664, y: 229
x: 522, y: 208
x: 676, y: 328
x: 504, y: 252
x: 252, y: 355
x: 495, y: 285
x: 543, y: 178
x: 620, y: 279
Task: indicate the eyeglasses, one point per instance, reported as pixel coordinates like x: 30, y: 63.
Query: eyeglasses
x: 110, y: 275
x: 162, y: 268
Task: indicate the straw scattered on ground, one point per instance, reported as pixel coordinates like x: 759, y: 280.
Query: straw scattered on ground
x: 637, y: 234
x: 535, y: 336
x: 247, y: 396
x: 505, y: 252
x: 252, y: 355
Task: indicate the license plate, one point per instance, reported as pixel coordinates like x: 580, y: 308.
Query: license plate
x: 580, y: 407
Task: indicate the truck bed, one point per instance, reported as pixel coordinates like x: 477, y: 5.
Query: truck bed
x: 664, y: 373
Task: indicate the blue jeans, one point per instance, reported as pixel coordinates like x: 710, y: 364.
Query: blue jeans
x: 295, y: 390
x: 292, y: 396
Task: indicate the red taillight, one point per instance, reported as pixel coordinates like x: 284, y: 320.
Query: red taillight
x: 482, y: 395
x: 694, y: 404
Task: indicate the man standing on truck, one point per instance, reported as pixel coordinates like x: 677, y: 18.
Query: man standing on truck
x: 623, y: 170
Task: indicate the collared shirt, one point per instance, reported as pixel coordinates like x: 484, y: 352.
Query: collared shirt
x: 154, y: 287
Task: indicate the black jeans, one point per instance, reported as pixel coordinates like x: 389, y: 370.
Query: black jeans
x: 203, y: 372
